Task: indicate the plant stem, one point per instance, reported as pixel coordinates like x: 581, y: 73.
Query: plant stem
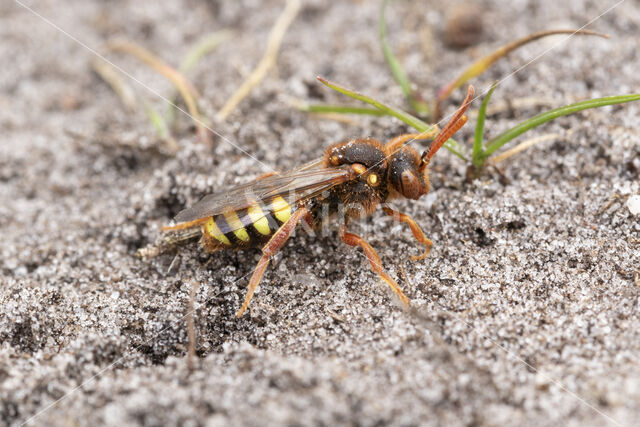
x: 476, y: 156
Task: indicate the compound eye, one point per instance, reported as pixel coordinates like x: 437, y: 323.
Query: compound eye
x: 412, y: 187
x: 373, y: 180
x: 335, y: 160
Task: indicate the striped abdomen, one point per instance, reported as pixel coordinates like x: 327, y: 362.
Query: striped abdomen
x: 252, y: 226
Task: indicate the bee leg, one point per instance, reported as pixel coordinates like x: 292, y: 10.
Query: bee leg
x: 275, y: 243
x: 309, y: 219
x: 376, y: 264
x: 266, y: 175
x: 415, y: 228
x: 396, y: 143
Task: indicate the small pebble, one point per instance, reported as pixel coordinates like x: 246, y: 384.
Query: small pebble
x: 634, y: 204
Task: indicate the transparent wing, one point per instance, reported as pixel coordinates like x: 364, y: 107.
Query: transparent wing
x: 293, y: 186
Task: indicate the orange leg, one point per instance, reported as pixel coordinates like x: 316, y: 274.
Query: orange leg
x: 396, y: 143
x: 266, y: 175
x: 415, y: 228
x: 275, y: 243
x: 376, y: 264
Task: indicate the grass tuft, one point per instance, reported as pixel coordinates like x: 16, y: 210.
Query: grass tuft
x: 483, y: 152
x: 496, y: 143
x: 187, y: 91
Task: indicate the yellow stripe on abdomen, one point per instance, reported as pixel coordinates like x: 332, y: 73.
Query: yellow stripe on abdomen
x: 281, y: 209
x: 259, y: 220
x: 236, y: 226
x: 211, y: 229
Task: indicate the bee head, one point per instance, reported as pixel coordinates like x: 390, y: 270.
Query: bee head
x: 407, y: 173
x: 407, y: 170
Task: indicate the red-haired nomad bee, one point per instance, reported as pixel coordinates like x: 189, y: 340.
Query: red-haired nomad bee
x: 352, y: 177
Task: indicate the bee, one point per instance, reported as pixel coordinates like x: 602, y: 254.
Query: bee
x: 352, y: 178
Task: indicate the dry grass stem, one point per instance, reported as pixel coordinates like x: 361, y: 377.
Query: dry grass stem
x: 110, y: 75
x: 267, y: 62
x: 523, y: 146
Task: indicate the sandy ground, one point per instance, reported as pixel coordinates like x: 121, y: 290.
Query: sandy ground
x: 525, y: 313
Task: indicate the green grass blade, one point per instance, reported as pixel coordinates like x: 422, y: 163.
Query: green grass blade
x: 160, y: 125
x: 418, y: 105
x: 341, y: 109
x: 476, y: 157
x: 454, y: 148
x: 156, y: 120
x: 203, y: 47
x: 405, y: 117
x: 541, y: 118
x: 392, y: 61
